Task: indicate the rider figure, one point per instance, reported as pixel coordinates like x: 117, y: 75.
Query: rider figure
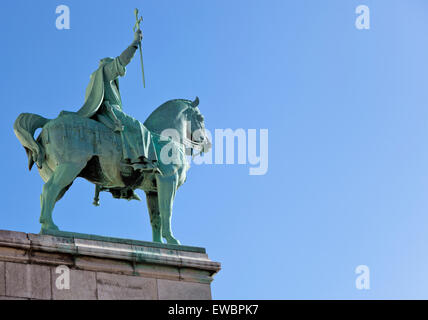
x: 104, y: 104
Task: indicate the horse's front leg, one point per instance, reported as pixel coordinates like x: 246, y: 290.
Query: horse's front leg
x: 167, y: 186
x: 155, y: 218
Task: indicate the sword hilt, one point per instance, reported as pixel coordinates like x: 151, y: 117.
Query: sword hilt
x: 138, y: 20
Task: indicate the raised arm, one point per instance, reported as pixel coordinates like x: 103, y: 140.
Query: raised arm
x: 129, y: 52
x: 116, y: 67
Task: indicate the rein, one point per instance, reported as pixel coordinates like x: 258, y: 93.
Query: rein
x: 199, y: 146
x: 187, y: 143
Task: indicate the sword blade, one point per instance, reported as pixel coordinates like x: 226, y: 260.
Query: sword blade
x: 142, y: 65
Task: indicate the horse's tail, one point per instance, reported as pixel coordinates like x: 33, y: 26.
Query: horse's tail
x: 24, y: 127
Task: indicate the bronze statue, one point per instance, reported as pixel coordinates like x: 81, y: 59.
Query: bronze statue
x: 111, y: 149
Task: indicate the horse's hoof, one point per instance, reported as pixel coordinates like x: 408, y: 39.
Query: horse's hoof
x: 46, y: 228
x: 172, y: 241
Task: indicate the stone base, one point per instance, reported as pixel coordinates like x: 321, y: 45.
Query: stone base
x: 77, y: 266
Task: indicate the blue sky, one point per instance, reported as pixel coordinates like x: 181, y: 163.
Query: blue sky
x: 346, y: 111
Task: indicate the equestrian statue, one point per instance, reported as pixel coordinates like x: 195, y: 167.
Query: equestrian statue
x: 112, y: 150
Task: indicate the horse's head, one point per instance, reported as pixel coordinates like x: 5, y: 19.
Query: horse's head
x: 196, y: 134
x: 181, y: 120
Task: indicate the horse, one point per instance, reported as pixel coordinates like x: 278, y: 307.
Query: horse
x: 72, y: 146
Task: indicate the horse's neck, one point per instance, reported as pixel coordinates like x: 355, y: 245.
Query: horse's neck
x: 164, y: 120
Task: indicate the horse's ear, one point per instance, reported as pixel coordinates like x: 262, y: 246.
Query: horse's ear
x: 195, y: 103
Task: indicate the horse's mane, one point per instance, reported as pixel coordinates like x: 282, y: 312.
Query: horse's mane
x: 175, y: 103
x: 169, y: 108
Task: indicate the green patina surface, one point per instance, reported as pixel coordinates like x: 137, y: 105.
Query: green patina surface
x: 84, y: 236
x: 114, y: 151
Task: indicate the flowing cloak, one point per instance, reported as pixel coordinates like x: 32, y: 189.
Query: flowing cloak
x: 94, y: 95
x: 137, y: 140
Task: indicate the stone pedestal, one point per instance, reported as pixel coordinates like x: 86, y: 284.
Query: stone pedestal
x: 78, y: 266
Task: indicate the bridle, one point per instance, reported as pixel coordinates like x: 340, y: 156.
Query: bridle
x: 193, y: 145
x: 199, y: 146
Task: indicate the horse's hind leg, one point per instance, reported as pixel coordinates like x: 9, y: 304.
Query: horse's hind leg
x: 53, y: 189
x: 155, y: 219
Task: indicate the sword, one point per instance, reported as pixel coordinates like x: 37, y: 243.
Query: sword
x: 137, y: 27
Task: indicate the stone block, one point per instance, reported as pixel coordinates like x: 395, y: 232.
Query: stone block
x: 104, y: 265
x: 12, y: 298
x: 195, y: 275
x: 52, y: 258
x: 52, y: 243
x: 14, y: 237
x: 83, y: 285
x: 157, y: 271
x: 2, y: 278
x: 28, y: 281
x: 122, y: 287
x: 13, y: 254
x: 95, y: 248
x: 181, y: 290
